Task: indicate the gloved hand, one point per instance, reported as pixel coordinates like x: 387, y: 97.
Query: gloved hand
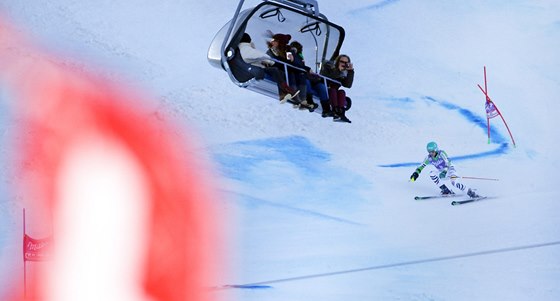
x: 414, y: 176
x: 443, y: 174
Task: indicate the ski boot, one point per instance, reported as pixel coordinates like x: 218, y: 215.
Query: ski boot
x: 305, y: 105
x: 472, y: 194
x: 327, y: 112
x: 445, y: 190
x: 287, y: 93
x: 340, y: 115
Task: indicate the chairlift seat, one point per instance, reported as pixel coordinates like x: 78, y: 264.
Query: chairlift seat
x: 301, y: 19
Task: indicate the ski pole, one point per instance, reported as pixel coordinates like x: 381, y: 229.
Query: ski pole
x: 475, y: 178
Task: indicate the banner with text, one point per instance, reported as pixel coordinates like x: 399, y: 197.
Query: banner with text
x: 36, y: 249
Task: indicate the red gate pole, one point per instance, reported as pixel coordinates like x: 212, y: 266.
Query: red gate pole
x: 485, y: 84
x: 507, y: 127
x: 486, y: 93
x: 499, y: 113
x: 24, y: 261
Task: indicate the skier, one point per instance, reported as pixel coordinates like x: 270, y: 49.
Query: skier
x: 445, y: 171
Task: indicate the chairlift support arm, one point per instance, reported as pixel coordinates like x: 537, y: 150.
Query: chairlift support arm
x: 310, y: 6
x: 228, y: 34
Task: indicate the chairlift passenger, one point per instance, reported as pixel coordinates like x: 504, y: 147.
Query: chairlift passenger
x: 279, y: 49
x: 341, y: 70
x: 314, y: 83
x: 262, y: 61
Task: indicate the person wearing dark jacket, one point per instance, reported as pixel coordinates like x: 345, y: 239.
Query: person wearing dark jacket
x: 279, y: 49
x: 342, y: 70
x: 312, y: 81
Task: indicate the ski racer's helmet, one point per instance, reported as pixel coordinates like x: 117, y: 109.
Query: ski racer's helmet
x: 432, y: 147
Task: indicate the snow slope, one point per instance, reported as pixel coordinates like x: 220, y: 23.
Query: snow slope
x: 324, y: 211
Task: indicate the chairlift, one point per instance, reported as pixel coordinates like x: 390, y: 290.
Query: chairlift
x: 321, y: 39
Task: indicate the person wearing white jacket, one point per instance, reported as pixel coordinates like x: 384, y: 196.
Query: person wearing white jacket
x: 260, y: 59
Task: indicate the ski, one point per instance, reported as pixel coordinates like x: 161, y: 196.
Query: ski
x: 435, y: 196
x: 454, y: 203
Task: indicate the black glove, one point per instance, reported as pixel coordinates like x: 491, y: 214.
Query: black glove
x: 414, y: 176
